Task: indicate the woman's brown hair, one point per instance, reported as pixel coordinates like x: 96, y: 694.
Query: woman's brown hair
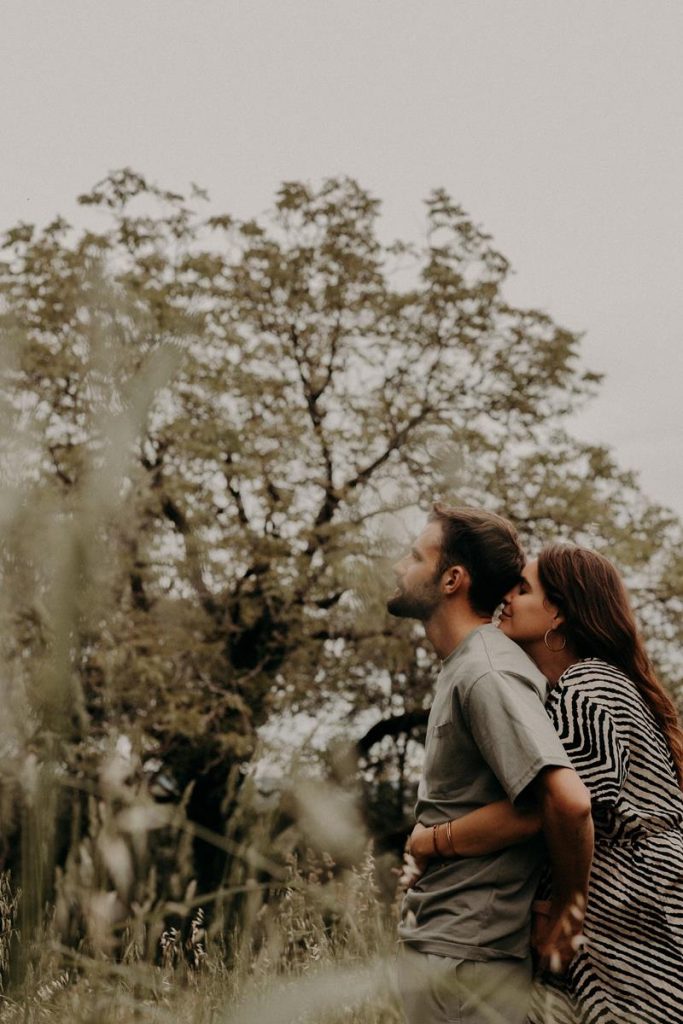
x: 599, y: 623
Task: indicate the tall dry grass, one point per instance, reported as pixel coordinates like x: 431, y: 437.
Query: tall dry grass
x: 308, y: 939
x: 319, y: 949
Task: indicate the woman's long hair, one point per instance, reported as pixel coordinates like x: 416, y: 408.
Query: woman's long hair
x: 599, y: 623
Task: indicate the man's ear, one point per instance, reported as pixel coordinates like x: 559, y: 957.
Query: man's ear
x: 454, y: 579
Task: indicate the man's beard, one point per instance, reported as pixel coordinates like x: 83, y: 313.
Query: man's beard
x: 420, y: 605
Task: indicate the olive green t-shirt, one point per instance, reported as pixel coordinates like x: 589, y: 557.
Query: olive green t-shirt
x: 488, y: 737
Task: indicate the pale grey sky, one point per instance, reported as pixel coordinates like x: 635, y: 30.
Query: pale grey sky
x: 557, y: 123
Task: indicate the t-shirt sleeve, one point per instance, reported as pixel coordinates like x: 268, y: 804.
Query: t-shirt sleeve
x: 509, y: 724
x: 592, y: 740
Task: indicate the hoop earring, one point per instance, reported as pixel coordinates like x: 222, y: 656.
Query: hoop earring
x: 555, y: 650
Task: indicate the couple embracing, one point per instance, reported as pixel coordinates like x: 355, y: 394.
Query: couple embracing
x: 551, y: 746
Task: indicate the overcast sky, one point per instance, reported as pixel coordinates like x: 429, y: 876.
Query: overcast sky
x: 556, y: 123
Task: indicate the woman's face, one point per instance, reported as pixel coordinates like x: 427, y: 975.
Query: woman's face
x: 527, y: 614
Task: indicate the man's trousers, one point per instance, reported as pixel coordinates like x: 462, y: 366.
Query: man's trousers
x: 443, y: 990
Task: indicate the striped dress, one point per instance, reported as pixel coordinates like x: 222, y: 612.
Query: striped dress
x: 631, y: 970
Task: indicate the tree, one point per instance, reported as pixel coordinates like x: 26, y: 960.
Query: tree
x: 308, y: 397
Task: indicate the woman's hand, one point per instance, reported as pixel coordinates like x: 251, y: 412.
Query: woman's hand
x: 557, y: 935
x: 416, y: 857
x: 420, y: 845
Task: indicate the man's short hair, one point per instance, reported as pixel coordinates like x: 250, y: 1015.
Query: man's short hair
x: 487, y: 545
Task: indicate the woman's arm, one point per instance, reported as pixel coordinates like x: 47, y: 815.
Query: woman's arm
x: 476, y: 834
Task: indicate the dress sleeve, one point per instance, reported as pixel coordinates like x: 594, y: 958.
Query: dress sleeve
x: 592, y: 740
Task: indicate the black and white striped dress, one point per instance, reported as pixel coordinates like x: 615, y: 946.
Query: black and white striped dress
x: 631, y: 971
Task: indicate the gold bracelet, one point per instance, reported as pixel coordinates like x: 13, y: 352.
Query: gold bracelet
x: 435, y: 833
x: 449, y: 834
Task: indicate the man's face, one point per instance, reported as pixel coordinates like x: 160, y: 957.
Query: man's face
x: 418, y: 590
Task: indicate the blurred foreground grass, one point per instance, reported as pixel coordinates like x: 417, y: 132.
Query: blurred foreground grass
x: 320, y: 950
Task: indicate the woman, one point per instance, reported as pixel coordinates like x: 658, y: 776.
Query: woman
x: 571, y: 614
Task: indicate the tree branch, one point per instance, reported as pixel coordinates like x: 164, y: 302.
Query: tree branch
x: 394, y: 726
x: 175, y: 515
x: 61, y: 474
x: 235, y: 491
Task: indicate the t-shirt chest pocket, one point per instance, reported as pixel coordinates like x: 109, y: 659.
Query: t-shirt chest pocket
x: 440, y: 753
x: 443, y: 728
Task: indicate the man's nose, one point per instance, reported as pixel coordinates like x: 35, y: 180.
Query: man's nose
x: 399, y: 569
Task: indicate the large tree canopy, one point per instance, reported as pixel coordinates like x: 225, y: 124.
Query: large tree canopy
x: 215, y: 417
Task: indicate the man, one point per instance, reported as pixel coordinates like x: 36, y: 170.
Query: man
x: 465, y: 924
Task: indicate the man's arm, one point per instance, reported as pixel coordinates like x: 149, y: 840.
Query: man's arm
x: 565, y: 807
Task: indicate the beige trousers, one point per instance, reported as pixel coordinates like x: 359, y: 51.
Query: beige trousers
x: 441, y: 990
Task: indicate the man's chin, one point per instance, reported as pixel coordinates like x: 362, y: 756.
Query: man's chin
x: 396, y: 606
x: 403, y: 608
